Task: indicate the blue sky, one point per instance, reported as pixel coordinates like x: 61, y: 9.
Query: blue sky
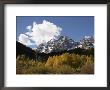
x: 76, y: 27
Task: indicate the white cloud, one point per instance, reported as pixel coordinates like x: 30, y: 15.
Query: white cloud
x: 28, y: 27
x: 40, y: 33
x: 24, y: 39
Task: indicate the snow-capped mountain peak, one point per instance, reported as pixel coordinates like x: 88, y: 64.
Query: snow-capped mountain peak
x: 65, y: 43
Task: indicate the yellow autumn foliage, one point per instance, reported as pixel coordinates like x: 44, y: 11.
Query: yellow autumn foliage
x: 58, y: 64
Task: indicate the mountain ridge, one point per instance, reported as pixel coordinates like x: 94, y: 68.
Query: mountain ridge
x: 65, y: 43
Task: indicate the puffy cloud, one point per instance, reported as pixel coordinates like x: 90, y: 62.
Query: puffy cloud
x: 24, y: 39
x: 41, y: 33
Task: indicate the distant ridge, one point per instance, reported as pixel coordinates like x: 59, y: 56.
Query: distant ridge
x: 65, y: 43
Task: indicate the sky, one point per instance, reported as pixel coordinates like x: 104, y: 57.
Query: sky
x: 33, y: 30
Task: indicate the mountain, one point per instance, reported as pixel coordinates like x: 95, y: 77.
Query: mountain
x: 65, y: 43
x: 23, y: 50
x: 87, y: 42
x: 62, y: 43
